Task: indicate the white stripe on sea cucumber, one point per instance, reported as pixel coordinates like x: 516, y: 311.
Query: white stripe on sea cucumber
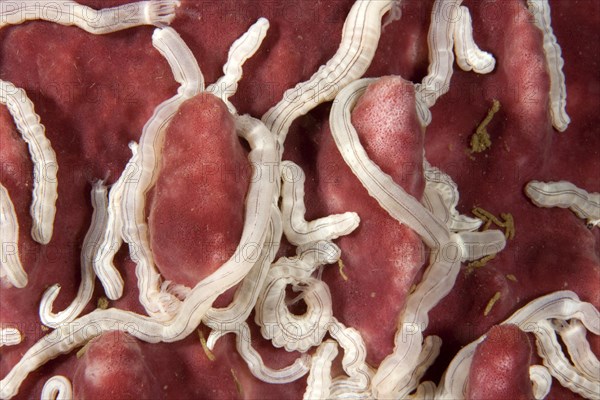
x: 318, y: 383
x: 111, y: 240
x: 573, y: 335
x: 45, y: 166
x: 558, y: 90
x: 355, y: 354
x: 468, y: 55
x: 227, y: 319
x: 241, y: 50
x: 10, y: 337
x: 278, y: 323
x: 257, y: 367
x: 558, y: 365
x: 88, y: 254
x: 106, y: 20
x: 441, y: 198
x: 541, y: 381
x: 57, y: 388
x: 360, y: 37
x: 10, y: 262
x: 564, y: 194
x: 297, y: 230
x: 440, y: 40
x: 429, y: 353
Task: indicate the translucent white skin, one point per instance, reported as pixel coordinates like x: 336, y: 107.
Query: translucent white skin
x: 45, y: 166
x: 562, y: 305
x: 359, y: 373
x: 240, y: 51
x: 106, y: 20
x: 441, y: 198
x: 573, y: 335
x: 11, y: 267
x: 560, y: 366
x: 257, y: 208
x: 297, y: 230
x: 429, y: 353
x: 558, y: 89
x: 89, y: 252
x: 10, y: 337
x: 468, y: 55
x: 135, y: 231
x: 228, y: 319
x: 111, y: 239
x: 319, y: 379
x: 564, y: 194
x: 451, y: 28
x: 541, y: 381
x: 57, y: 388
x: 360, y: 37
x: 272, y: 314
x: 440, y: 41
x: 394, y: 374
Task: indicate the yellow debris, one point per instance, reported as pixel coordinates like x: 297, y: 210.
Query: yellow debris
x: 238, y: 385
x: 488, y: 218
x: 102, y: 303
x: 480, y: 141
x: 511, y: 277
x: 491, y: 303
x: 341, y: 269
x: 479, y: 263
x: 209, y: 354
x: 509, y: 233
x: 412, y: 289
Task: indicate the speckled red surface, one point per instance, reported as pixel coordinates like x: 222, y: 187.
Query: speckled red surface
x: 94, y: 93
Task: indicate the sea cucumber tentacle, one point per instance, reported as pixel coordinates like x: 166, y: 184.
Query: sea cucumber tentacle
x: 112, y: 238
x: 241, y: 50
x: 10, y: 337
x: 360, y: 36
x: 564, y: 194
x: 299, y: 231
x: 318, y: 384
x: 45, y: 166
x: 541, y: 381
x: 441, y: 198
x: 10, y: 262
x: 88, y: 253
x: 558, y: 89
x: 440, y: 40
x: 98, y: 22
x: 468, y: 55
x: 57, y: 388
